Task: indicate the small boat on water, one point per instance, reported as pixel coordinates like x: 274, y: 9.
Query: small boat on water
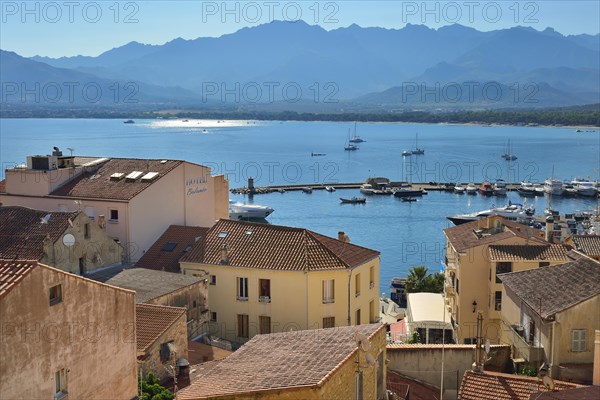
x: 554, y: 187
x: 350, y: 147
x: 307, y: 189
x: 353, y: 200
x: 406, y: 153
x: 409, y: 199
x: 355, y: 138
x: 383, y: 191
x: 500, y: 188
x: 330, y: 188
x: 204, y: 131
x: 459, y: 189
x: 584, y: 187
x: 367, y: 188
x: 471, y: 189
x: 538, y: 189
x: 408, y: 193
x: 129, y: 121
x: 417, y: 150
x: 512, y: 212
x: 241, y: 211
x: 526, y: 189
x: 317, y: 154
x: 486, y: 189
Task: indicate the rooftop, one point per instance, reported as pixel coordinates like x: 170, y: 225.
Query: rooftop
x: 151, y: 321
x: 175, y: 242
x: 280, y: 361
x: 532, y: 252
x: 427, y: 307
x: 588, y: 244
x: 265, y: 246
x: 498, y: 386
x: 576, y: 281
x: 582, y: 393
x: 23, y: 230
x: 466, y: 236
x: 13, y: 272
x: 149, y: 284
x: 112, y: 179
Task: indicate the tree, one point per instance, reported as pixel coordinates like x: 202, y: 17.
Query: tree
x: 419, y: 280
x: 152, y: 389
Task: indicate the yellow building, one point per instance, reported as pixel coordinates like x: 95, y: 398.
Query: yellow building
x: 551, y: 314
x: 471, y: 274
x: 69, y: 241
x: 136, y: 200
x: 267, y: 278
x: 335, y: 364
x: 64, y: 336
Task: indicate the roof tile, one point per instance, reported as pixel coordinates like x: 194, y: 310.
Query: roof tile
x: 151, y: 321
x: 533, y: 252
x: 13, y: 272
x: 588, y: 244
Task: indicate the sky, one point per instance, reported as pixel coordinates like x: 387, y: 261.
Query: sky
x: 70, y: 27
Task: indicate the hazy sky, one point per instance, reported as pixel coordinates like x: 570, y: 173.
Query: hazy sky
x: 66, y: 28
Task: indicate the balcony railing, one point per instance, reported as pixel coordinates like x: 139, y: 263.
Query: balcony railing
x: 523, y: 348
x: 264, y: 299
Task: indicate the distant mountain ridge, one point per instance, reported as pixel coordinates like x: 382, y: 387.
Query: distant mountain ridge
x: 349, y: 64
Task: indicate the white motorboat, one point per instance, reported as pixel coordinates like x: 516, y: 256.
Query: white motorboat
x: 471, y: 189
x: 367, y: 188
x: 241, y: 211
x: 512, y: 212
x: 538, y: 189
x: 584, y: 187
x: 407, y: 153
x: 500, y: 188
x: 526, y: 189
x: 330, y: 188
x: 554, y: 187
x: 459, y: 189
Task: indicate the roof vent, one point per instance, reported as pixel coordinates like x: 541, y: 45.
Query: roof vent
x: 117, y: 176
x: 248, y: 231
x: 133, y: 176
x: 163, y: 162
x: 222, y: 234
x: 150, y: 176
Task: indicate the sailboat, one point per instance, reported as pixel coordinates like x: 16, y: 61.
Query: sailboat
x: 355, y: 138
x: 508, y: 156
x: 417, y: 150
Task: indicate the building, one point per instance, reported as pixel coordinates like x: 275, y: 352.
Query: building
x: 64, y: 335
x: 173, y: 244
x: 582, y: 393
x: 338, y: 363
x: 269, y: 278
x: 495, y: 386
x: 471, y: 274
x: 586, y: 244
x: 550, y: 314
x: 427, y: 317
x: 161, y: 339
x: 69, y: 241
x: 135, y: 199
x: 168, y: 289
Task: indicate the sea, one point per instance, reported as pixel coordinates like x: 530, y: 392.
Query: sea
x: 283, y: 153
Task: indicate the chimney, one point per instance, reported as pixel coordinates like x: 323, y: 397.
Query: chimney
x: 101, y: 221
x: 342, y: 237
x: 596, y: 378
x: 224, y: 255
x: 549, y: 228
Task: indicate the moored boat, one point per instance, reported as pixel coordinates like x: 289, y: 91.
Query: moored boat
x: 471, y: 189
x: 408, y: 193
x: 409, y: 199
x: 500, y: 188
x: 241, y: 211
x: 353, y: 200
x: 513, y: 212
x: 459, y: 189
x: 330, y: 188
x: 584, y: 187
x: 366, y: 188
x: 307, y: 189
x: 486, y: 189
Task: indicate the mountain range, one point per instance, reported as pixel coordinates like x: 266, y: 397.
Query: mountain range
x: 295, y: 64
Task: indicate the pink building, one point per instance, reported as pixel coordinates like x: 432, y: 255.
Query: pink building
x: 135, y: 200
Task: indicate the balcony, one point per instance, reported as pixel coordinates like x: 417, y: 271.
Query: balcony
x: 522, y: 347
x: 264, y: 299
x: 450, y: 289
x: 371, y: 285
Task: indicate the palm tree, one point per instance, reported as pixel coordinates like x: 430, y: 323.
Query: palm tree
x: 416, y: 281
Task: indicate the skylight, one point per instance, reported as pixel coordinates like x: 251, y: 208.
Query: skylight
x: 134, y: 175
x: 150, y: 176
x: 222, y: 234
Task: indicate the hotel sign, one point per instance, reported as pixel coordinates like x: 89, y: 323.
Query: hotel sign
x: 196, y: 185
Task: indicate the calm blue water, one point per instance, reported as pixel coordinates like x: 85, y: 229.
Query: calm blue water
x: 407, y: 234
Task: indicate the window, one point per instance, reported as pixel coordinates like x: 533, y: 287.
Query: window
x: 60, y: 381
x: 86, y: 230
x: 328, y: 291
x: 242, y: 325
x: 502, y: 268
x: 194, y: 304
x: 264, y: 325
x: 372, y: 312
x: 457, y: 291
x: 358, y: 386
x: 371, y: 277
x: 498, y: 301
x: 170, y: 246
x: 357, y: 317
x: 213, y: 316
x: 357, y: 285
x: 329, y: 322
x: 264, y: 290
x: 213, y: 279
x: 579, y: 340
x: 242, y: 289
x: 113, y: 215
x: 544, y: 264
x: 55, y: 295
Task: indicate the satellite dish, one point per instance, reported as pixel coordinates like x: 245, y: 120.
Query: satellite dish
x: 370, y: 359
x: 548, y: 382
x: 69, y: 240
x: 362, y: 341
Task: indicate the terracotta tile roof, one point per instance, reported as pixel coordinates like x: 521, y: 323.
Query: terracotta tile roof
x: 151, y: 321
x: 532, y: 252
x: 588, y: 244
x: 98, y: 185
x: 264, y: 246
x: 164, y: 257
x: 420, y: 346
x: 3, y: 186
x: 280, y: 361
x: 22, y: 234
x: 498, y: 386
x: 583, y: 393
x: 149, y: 284
x: 576, y: 281
x: 463, y: 237
x: 13, y: 272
